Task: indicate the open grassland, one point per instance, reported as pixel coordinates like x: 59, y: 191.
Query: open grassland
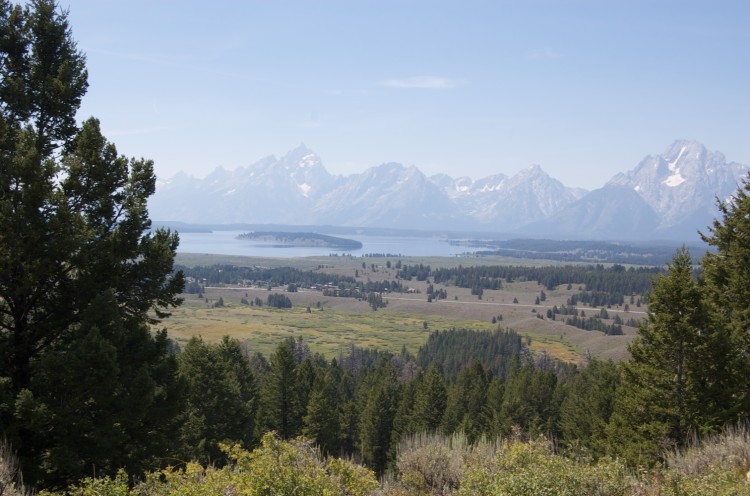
x: 353, y: 262
x: 326, y: 330
x: 334, y: 323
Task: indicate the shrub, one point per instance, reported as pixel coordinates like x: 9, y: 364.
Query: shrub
x: 533, y: 469
x: 432, y: 463
x: 275, y: 467
x: 716, y: 464
x: 11, y: 482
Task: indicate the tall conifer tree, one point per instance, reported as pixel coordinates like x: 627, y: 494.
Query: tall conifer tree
x: 81, y: 272
x: 726, y: 277
x: 282, y: 410
x: 430, y: 402
x: 221, y: 398
x: 667, y: 387
x: 376, y: 420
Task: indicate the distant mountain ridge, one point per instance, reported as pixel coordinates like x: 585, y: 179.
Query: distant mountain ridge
x: 667, y: 196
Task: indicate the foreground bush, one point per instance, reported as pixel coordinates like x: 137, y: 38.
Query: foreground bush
x: 532, y: 468
x: 716, y: 465
x: 11, y: 483
x: 449, y: 465
x: 276, y: 467
x: 433, y: 464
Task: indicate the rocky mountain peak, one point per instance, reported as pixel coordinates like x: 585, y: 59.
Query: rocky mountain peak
x: 665, y: 195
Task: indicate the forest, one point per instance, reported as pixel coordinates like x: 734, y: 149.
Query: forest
x: 93, y: 401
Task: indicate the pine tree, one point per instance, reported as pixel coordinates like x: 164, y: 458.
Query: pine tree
x: 429, y: 402
x: 321, y: 420
x: 221, y: 398
x: 348, y: 414
x: 666, y: 389
x: 282, y: 410
x: 466, y: 408
x: 726, y: 278
x: 495, y: 393
x: 404, y: 421
x: 588, y: 406
x: 530, y: 401
x: 376, y: 420
x: 80, y: 269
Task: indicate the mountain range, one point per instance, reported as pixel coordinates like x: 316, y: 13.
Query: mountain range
x: 667, y: 196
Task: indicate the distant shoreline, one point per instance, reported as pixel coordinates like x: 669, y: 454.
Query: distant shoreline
x: 307, y: 239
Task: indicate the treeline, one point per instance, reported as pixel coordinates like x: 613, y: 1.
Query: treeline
x: 598, y: 285
x: 594, y: 322
x: 201, y: 276
x: 614, y: 279
x: 278, y: 276
x: 584, y: 251
x: 364, y: 401
x: 452, y: 350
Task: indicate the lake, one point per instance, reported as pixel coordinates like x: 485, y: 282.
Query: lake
x: 226, y: 243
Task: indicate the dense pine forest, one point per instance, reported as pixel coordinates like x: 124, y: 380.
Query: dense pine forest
x: 92, y: 401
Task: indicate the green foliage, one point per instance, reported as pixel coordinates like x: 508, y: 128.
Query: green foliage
x: 282, y: 408
x: 429, y: 402
x: 610, y: 283
x: 530, y: 402
x: 587, y: 408
x: 321, y: 422
x: 533, y: 469
x: 109, y: 397
x: 377, y: 417
x: 275, y: 467
x: 466, y: 408
x: 451, y: 351
x: 221, y: 396
x: 674, y: 383
x: 726, y: 278
x: 277, y: 300
x: 81, y: 273
x: 277, y: 276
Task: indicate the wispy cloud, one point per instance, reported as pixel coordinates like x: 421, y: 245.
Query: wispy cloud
x: 543, y: 53
x: 422, y: 82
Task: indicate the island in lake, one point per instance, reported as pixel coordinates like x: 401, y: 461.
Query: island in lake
x: 302, y: 239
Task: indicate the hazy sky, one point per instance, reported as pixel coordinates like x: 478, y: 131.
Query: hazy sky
x: 586, y: 89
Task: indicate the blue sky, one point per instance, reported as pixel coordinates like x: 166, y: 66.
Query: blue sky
x: 584, y: 88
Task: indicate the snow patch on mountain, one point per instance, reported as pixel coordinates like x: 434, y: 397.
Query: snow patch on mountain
x: 668, y: 195
x: 674, y: 180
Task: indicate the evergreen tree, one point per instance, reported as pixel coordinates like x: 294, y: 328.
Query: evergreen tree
x: 588, y: 406
x: 376, y: 420
x: 348, y: 413
x: 282, y: 410
x: 404, y: 420
x: 530, y: 401
x: 726, y: 277
x: 667, y: 387
x: 80, y: 270
x: 321, y: 421
x: 495, y: 393
x: 429, y: 402
x: 109, y: 396
x: 466, y: 408
x: 221, y: 398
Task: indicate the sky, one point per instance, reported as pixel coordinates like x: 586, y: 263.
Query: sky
x: 584, y: 88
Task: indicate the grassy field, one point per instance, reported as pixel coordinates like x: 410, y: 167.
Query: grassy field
x: 332, y: 324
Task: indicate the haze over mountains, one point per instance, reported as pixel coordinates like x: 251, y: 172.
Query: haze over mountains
x: 666, y: 196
